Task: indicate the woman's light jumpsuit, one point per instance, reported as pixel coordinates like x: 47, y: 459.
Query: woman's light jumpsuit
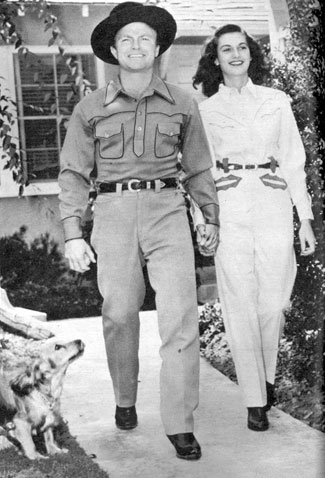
x: 255, y: 260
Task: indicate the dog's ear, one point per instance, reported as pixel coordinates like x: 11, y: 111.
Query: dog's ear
x: 23, y: 383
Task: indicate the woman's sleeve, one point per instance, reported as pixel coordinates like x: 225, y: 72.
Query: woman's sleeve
x: 292, y: 161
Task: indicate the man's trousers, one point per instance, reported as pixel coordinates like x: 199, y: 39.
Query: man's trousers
x: 130, y: 229
x: 256, y: 269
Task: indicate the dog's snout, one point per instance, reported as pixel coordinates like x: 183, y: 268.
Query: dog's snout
x: 79, y: 343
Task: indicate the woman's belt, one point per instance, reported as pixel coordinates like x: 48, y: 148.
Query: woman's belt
x: 273, y: 164
x: 135, y: 185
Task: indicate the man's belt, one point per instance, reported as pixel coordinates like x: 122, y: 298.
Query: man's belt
x: 235, y: 166
x: 135, y: 185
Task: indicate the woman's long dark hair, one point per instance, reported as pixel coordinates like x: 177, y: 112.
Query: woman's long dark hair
x: 211, y: 75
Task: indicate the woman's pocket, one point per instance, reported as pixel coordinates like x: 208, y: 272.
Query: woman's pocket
x: 273, y: 181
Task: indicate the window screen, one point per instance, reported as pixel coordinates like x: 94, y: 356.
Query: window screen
x: 47, y: 91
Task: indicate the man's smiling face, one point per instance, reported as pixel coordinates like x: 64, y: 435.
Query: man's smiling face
x: 136, y: 47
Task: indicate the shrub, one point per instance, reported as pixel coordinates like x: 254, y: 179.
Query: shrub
x: 36, y: 277
x: 213, y: 342
x: 40, y: 261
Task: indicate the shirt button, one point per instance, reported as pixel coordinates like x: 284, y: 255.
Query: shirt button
x: 139, y: 113
x: 106, y: 135
x: 139, y: 128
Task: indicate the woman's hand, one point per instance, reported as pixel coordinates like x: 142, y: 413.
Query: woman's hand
x: 307, y: 238
x: 207, y: 236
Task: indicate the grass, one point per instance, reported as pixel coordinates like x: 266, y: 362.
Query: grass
x: 74, y: 464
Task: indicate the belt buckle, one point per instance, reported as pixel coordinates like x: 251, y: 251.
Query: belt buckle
x: 132, y: 182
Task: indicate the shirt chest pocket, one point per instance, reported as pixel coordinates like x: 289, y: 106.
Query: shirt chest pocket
x: 110, y: 138
x: 269, y: 119
x: 166, y: 139
x: 226, y: 132
x: 223, y: 126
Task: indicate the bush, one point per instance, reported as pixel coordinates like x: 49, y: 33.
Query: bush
x: 36, y: 277
x: 213, y: 342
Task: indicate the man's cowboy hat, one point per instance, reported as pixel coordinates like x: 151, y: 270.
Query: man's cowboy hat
x: 103, y: 36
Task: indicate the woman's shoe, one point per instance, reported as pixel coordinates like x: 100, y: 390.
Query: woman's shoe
x: 257, y: 419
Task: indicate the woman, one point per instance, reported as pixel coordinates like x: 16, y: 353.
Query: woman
x: 259, y: 174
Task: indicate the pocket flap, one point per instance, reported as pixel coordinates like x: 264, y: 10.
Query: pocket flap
x: 169, y: 129
x: 104, y: 130
x: 269, y: 109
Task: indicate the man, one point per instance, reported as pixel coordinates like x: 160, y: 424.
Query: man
x: 134, y: 132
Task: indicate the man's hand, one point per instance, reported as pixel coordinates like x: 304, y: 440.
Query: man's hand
x: 207, y: 237
x: 307, y: 238
x: 79, y: 255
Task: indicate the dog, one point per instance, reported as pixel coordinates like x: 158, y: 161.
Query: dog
x: 30, y: 398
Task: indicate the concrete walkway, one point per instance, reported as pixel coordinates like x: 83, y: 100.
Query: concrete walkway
x: 289, y: 449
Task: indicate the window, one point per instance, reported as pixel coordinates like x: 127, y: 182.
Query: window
x: 47, y: 91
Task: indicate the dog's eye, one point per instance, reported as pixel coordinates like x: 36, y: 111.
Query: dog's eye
x: 58, y: 347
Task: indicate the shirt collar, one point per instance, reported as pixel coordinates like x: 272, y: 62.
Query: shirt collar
x: 229, y: 92
x: 157, y: 85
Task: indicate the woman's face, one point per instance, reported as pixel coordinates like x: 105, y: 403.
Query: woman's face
x: 233, y: 56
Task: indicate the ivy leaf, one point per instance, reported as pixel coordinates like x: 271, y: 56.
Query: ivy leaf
x: 6, y: 142
x: 47, y: 26
x: 70, y: 94
x: 51, y: 41
x: 12, y: 29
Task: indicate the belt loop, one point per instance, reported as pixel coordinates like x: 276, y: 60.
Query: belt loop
x: 119, y: 188
x: 225, y: 165
x: 273, y: 164
x: 157, y: 185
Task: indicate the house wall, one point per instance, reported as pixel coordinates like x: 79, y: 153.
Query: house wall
x: 40, y: 214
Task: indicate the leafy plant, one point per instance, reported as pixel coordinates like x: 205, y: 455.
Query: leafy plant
x: 36, y: 277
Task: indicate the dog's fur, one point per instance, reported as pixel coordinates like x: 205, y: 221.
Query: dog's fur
x: 30, y: 398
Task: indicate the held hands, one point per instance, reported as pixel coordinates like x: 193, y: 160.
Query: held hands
x: 79, y: 255
x: 307, y: 238
x: 207, y: 236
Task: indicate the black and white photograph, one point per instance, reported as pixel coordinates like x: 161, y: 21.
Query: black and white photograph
x: 162, y: 253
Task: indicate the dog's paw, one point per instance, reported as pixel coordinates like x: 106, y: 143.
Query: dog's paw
x: 61, y: 451
x: 37, y: 456
x: 53, y: 450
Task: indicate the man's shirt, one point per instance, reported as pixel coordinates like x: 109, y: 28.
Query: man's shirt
x: 126, y: 138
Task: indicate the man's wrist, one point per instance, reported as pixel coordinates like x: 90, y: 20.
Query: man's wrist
x: 72, y: 228
x: 211, y: 213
